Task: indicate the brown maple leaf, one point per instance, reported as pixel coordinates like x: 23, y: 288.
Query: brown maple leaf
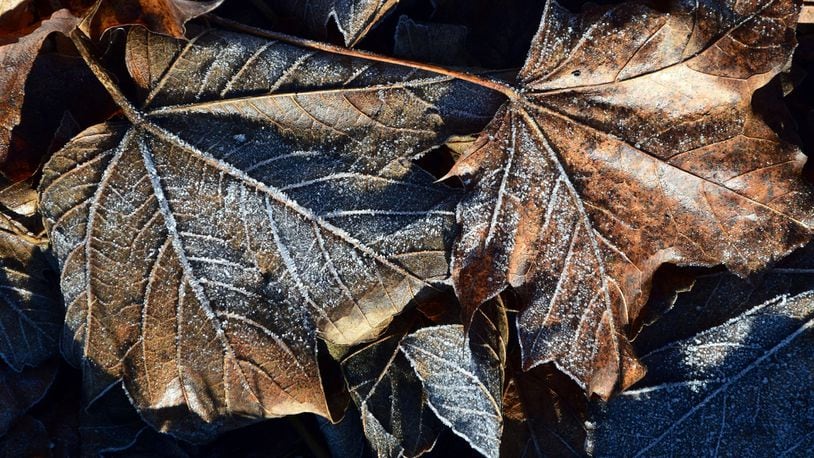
x: 631, y: 143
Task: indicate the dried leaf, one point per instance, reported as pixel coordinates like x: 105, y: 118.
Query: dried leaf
x: 396, y: 417
x: 19, y: 198
x: 16, y: 59
x: 735, y: 389
x: 463, y: 377
x: 166, y: 17
x: 354, y: 18
x: 630, y: 144
x: 201, y: 268
x: 30, y: 307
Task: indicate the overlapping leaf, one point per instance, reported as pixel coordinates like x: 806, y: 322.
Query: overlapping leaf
x: 742, y: 388
x: 260, y: 196
x: 631, y: 143
x: 396, y: 417
x: 462, y: 375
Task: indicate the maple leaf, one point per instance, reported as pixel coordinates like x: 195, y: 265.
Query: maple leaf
x: 201, y: 268
x: 631, y: 143
x: 733, y: 388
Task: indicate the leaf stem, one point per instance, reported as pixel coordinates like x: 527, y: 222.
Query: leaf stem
x: 84, y: 46
x: 503, y: 88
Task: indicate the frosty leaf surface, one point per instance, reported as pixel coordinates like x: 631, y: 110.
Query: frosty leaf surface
x: 260, y: 196
x: 395, y: 415
x: 741, y: 388
x: 30, y: 308
x: 630, y: 143
x: 462, y: 375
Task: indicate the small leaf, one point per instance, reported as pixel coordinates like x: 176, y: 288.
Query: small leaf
x: 742, y: 388
x: 631, y: 143
x: 396, y: 417
x: 463, y: 377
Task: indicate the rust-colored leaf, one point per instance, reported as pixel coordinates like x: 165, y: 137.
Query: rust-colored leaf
x: 630, y: 143
x: 261, y: 196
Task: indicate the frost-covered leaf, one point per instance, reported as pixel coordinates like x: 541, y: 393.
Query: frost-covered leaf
x: 630, y: 143
x: 260, y: 196
x: 30, y: 306
x: 739, y: 389
x: 395, y: 415
x: 463, y: 377
x: 354, y: 18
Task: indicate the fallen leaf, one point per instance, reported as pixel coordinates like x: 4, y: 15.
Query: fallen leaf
x: 630, y: 143
x: 462, y: 375
x: 202, y: 268
x: 741, y: 389
x: 396, y: 417
x: 166, y: 17
x: 354, y: 18
x: 18, y: 198
x: 30, y: 306
x: 16, y: 59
